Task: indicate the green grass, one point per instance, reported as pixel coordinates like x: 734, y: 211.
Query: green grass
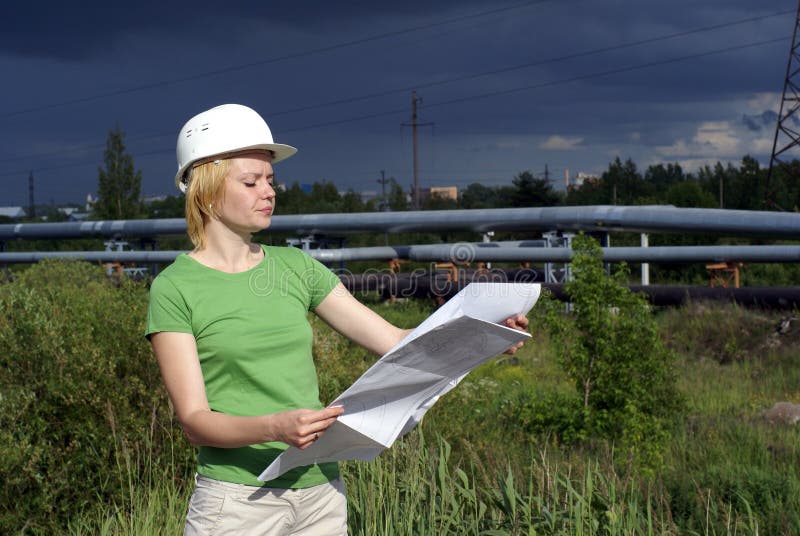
x: 90, y: 445
x: 467, y: 471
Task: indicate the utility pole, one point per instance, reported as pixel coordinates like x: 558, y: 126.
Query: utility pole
x: 546, y: 173
x: 31, y: 206
x: 384, y: 204
x: 414, y: 124
x: 414, y: 101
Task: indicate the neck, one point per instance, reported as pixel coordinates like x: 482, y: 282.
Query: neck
x: 227, y: 250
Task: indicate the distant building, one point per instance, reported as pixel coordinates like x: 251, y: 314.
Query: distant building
x: 441, y: 192
x: 15, y: 213
x: 583, y: 178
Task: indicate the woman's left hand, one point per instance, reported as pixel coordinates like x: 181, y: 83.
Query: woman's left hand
x: 519, y: 322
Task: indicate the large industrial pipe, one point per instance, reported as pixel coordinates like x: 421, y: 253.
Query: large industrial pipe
x: 651, y: 219
x: 431, y: 285
x: 464, y: 252
x: 467, y: 252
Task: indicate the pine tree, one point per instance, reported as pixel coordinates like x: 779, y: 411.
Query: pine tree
x: 531, y: 191
x: 119, y: 185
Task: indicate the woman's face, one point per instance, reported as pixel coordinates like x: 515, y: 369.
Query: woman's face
x: 249, y: 198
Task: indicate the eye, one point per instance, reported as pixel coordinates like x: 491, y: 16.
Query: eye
x: 249, y: 184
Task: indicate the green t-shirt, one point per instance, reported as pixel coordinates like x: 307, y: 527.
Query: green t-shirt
x: 254, y: 344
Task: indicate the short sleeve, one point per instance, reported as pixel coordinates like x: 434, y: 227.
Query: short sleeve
x: 167, y: 310
x: 319, y: 280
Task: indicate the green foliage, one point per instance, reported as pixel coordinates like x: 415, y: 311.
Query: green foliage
x: 662, y: 177
x: 689, y: 194
x: 119, y: 185
x: 351, y: 202
x: 715, y: 482
x: 416, y: 489
x: 610, y: 348
x: 79, y: 391
x: 531, y: 191
x: 90, y: 446
x: 557, y: 414
x: 477, y: 195
x: 397, y: 198
x: 322, y: 198
x: 620, y: 184
x: 172, y: 206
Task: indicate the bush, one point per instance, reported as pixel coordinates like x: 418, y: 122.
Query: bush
x: 610, y: 348
x: 80, y: 394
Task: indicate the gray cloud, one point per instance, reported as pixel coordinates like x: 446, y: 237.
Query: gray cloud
x: 59, y: 53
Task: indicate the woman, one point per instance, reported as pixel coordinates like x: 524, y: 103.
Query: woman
x: 228, y: 325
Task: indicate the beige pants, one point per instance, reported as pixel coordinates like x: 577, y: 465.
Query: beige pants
x: 221, y: 508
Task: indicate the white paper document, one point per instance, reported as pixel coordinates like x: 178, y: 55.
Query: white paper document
x: 390, y: 398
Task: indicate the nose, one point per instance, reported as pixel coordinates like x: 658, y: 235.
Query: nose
x: 268, y: 191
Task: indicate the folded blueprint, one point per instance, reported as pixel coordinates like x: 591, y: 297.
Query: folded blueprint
x: 390, y: 398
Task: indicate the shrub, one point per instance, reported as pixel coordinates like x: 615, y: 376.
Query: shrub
x: 80, y: 394
x: 610, y: 348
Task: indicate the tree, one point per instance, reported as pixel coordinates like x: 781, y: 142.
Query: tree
x: 662, y: 177
x: 624, y: 184
x: 689, y: 194
x: 716, y: 181
x: 397, y: 197
x: 476, y: 195
x: 591, y: 192
x: 531, y: 191
x: 172, y: 206
x: 119, y: 185
x: 746, y: 191
x: 324, y: 198
x: 292, y: 200
x: 352, y: 202
x: 623, y: 373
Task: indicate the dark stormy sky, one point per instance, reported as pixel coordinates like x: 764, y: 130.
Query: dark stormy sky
x: 507, y: 86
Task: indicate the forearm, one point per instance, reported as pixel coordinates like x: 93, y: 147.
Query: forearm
x: 214, y: 429
x: 296, y: 427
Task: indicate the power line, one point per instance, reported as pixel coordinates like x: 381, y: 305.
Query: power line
x: 544, y: 84
x: 88, y: 147
x: 556, y: 59
x: 310, y: 52
x: 536, y: 63
x: 609, y: 72
x: 599, y: 74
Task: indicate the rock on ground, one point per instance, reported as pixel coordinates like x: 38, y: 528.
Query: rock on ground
x: 782, y: 413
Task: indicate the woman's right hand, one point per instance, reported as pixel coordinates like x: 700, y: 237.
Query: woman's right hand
x: 301, y: 427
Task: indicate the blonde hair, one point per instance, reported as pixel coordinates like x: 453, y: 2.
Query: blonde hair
x: 206, y: 188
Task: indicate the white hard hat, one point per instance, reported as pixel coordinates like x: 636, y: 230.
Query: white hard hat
x: 224, y: 129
